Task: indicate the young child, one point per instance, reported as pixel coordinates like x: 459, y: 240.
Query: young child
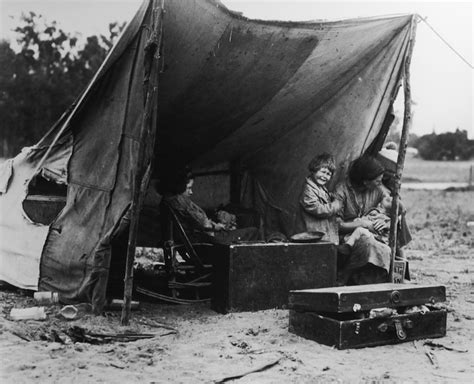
x: 317, y: 206
x: 380, y: 214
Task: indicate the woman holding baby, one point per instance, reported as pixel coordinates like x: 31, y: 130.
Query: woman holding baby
x: 368, y: 259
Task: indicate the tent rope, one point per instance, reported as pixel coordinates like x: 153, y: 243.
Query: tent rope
x: 444, y: 41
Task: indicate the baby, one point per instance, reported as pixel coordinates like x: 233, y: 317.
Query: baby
x: 379, y: 214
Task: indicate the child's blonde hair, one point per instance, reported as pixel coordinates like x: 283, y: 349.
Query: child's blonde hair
x: 324, y: 160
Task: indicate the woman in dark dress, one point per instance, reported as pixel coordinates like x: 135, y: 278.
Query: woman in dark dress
x: 368, y: 261
x: 177, y: 192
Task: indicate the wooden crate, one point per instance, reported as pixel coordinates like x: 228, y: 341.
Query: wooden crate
x: 399, y: 271
x: 253, y: 276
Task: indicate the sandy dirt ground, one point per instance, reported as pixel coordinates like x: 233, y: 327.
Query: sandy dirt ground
x: 209, y: 347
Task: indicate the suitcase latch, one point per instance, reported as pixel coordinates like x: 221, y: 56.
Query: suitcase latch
x: 395, y: 297
x: 398, y: 325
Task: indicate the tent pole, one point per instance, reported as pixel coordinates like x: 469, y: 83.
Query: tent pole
x: 402, y: 148
x: 145, y: 148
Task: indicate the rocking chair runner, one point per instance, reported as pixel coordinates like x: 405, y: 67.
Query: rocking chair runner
x: 188, y: 281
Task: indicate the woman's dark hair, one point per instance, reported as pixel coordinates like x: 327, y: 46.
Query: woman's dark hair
x: 388, y: 180
x: 173, y: 181
x: 324, y: 160
x: 365, y: 168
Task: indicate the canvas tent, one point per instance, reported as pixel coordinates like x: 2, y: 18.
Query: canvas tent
x: 265, y: 95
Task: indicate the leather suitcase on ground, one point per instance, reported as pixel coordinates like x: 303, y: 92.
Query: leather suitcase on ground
x: 359, y: 316
x: 256, y: 276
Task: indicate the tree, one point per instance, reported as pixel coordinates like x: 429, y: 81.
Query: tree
x: 42, y: 79
x: 7, y: 84
x: 446, y: 146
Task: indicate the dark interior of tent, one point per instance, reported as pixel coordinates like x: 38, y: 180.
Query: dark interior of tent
x: 216, y: 189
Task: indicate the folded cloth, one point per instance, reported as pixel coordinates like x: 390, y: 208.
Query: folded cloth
x: 6, y: 172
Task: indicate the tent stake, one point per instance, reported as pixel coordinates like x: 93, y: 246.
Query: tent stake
x: 402, y: 149
x: 145, y: 153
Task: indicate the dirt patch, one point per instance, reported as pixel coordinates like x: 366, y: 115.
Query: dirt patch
x: 208, y: 347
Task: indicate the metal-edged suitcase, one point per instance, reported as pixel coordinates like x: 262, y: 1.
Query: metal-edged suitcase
x: 368, y: 315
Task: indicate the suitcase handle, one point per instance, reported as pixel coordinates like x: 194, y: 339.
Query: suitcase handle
x: 399, y: 331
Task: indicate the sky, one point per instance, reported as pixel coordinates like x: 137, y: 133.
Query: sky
x: 442, y: 84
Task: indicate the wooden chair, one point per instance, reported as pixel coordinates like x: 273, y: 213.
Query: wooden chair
x: 187, y: 264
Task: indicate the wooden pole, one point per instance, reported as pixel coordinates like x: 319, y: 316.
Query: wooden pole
x: 145, y: 145
x: 402, y: 148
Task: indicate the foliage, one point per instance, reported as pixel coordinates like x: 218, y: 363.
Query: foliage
x: 43, y: 77
x: 445, y: 146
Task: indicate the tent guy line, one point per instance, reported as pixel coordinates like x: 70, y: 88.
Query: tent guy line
x: 444, y: 41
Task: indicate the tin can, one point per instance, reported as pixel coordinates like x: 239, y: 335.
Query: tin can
x: 46, y: 297
x: 33, y: 313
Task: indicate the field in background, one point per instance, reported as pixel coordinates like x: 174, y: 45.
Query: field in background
x: 418, y: 170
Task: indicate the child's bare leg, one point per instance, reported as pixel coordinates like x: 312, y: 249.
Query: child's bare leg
x: 357, y: 234
x: 350, y: 240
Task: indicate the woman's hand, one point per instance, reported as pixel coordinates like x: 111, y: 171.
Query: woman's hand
x: 218, y: 227
x: 379, y: 225
x: 365, y: 223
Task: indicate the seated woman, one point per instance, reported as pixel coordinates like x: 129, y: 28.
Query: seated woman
x: 177, y: 192
x: 369, y: 259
